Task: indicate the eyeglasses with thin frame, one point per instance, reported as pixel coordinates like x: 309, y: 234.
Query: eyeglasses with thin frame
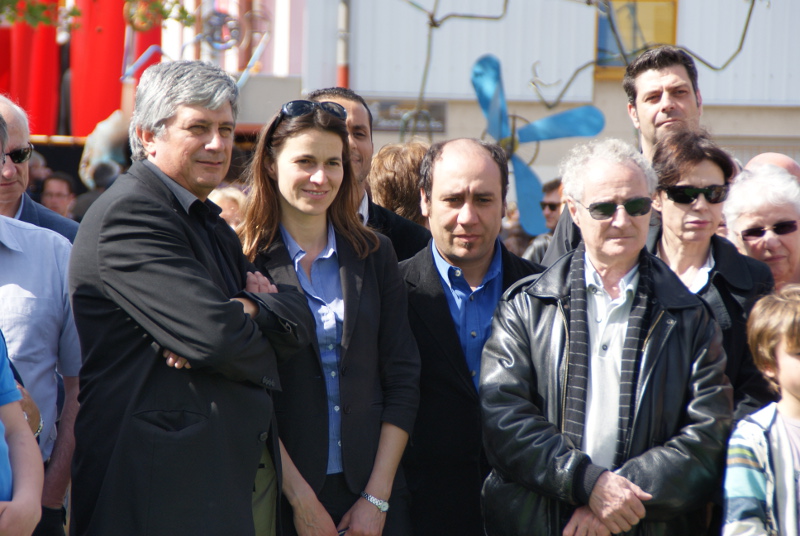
x: 780, y: 228
x: 606, y: 209
x: 686, y: 195
x: 18, y: 156
x: 551, y: 206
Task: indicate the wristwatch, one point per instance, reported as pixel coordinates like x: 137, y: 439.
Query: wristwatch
x: 383, y: 506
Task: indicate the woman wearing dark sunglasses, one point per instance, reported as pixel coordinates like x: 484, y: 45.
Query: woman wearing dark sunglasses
x: 762, y: 213
x: 349, y: 400
x: 693, y: 181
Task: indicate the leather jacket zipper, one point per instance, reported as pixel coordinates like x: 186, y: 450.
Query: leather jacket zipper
x: 566, y: 369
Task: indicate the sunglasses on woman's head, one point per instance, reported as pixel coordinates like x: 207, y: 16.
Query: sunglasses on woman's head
x: 604, y: 210
x: 780, y: 228
x: 19, y: 156
x: 686, y: 195
x: 297, y: 108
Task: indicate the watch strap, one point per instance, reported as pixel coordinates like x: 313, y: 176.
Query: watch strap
x: 381, y: 505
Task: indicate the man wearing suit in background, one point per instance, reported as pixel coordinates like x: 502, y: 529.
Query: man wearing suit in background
x: 407, y: 237
x: 453, y: 287
x: 14, y: 202
x: 156, y: 273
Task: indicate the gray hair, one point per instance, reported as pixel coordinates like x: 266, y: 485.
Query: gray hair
x: 19, y: 111
x: 3, y: 135
x: 165, y: 86
x: 758, y: 190
x: 580, y: 157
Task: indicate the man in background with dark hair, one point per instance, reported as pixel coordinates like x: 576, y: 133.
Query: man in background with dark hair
x: 103, y: 175
x: 407, y: 237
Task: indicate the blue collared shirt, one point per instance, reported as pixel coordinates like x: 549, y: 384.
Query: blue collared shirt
x: 325, y: 299
x: 471, y: 310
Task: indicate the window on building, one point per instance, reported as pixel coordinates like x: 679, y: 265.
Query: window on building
x: 638, y: 23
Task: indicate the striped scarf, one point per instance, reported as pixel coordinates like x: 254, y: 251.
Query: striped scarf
x: 578, y: 364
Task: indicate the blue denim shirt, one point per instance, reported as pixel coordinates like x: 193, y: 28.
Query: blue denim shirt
x: 472, y: 310
x: 324, y: 295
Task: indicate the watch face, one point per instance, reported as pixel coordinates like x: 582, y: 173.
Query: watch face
x: 384, y: 506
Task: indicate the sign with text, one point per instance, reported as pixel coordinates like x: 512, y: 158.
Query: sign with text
x: 390, y: 116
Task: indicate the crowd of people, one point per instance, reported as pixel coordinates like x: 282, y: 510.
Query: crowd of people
x: 358, y: 346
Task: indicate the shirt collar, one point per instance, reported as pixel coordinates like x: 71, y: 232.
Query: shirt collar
x: 447, y: 271
x: 184, y: 196
x: 628, y: 281
x: 21, y: 203
x: 7, y: 238
x: 296, y: 252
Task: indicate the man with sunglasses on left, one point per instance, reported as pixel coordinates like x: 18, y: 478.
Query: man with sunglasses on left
x: 14, y: 202
x: 604, y: 400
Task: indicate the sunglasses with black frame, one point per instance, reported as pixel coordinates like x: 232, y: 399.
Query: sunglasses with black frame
x: 19, y: 156
x: 780, y: 228
x: 606, y: 209
x: 686, y: 195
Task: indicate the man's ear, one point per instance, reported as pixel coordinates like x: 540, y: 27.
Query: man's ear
x: 699, y: 102
x: 424, y: 203
x: 633, y: 115
x: 657, y: 200
x: 572, y: 206
x: 148, y: 140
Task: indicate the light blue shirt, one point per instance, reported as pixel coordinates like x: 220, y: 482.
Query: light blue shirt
x: 324, y: 295
x: 36, y: 314
x: 471, y: 310
x: 8, y: 393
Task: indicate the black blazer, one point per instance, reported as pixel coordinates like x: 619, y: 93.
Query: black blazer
x: 161, y: 451
x: 407, y: 237
x: 735, y: 283
x: 444, y: 463
x: 379, y: 367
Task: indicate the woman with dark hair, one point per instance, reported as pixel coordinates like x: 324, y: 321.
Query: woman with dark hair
x: 349, y: 400
x: 693, y: 179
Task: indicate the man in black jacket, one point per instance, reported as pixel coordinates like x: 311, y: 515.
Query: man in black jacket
x: 604, y: 400
x: 407, y: 237
x: 453, y: 287
x: 155, y: 273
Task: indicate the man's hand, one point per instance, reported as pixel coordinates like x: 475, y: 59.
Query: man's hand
x: 258, y: 283
x: 363, y: 519
x: 617, y: 502
x: 174, y: 360
x: 18, y: 518
x: 584, y: 523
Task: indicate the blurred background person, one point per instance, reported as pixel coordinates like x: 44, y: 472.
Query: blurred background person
x: 394, y: 179
x: 762, y: 211
x: 551, y: 204
x: 58, y: 193
x: 231, y: 200
x: 37, y: 172
x: 103, y: 175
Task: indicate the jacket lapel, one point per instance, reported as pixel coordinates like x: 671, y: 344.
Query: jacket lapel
x: 351, y: 274
x: 426, y: 298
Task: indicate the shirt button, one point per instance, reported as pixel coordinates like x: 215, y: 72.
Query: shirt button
x: 605, y: 347
x: 333, y: 374
x: 339, y: 443
x: 331, y: 346
x: 473, y: 373
x: 458, y: 273
x: 335, y: 408
x: 473, y: 334
x: 263, y: 437
x: 599, y: 320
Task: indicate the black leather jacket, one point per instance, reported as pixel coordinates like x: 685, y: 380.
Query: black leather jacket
x: 682, y: 413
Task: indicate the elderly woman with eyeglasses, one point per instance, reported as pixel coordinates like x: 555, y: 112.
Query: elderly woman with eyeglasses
x: 349, y: 400
x: 694, y: 176
x: 762, y: 212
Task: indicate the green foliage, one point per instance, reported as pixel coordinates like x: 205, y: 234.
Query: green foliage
x: 141, y: 14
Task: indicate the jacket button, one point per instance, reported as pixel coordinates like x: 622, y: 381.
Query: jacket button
x: 347, y: 409
x: 263, y: 437
x: 343, y: 371
x: 265, y: 380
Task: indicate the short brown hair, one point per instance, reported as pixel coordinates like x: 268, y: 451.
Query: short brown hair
x: 679, y: 151
x: 774, y: 318
x: 656, y: 59
x: 394, y: 178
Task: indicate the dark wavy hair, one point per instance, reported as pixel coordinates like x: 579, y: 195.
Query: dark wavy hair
x: 657, y: 59
x: 681, y: 150
x: 262, y: 215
